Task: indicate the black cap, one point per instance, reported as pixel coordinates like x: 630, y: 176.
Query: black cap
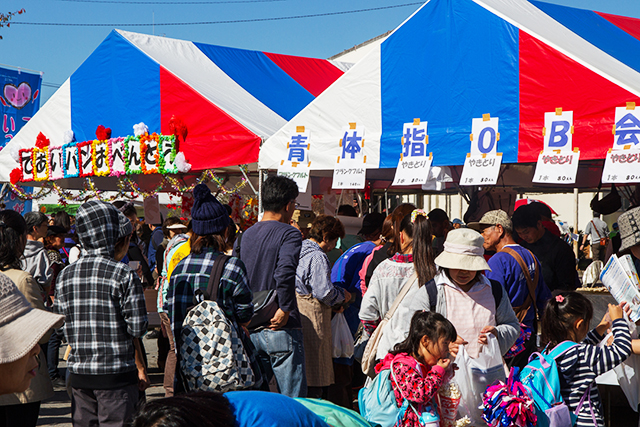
x: 54, y: 230
x: 371, y: 222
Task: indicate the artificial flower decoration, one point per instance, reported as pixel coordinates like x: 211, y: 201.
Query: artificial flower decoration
x: 68, y: 137
x: 15, y: 152
x: 181, y: 163
x: 102, y: 133
x: 140, y: 129
x: 559, y: 298
x: 42, y: 141
x: 178, y: 128
x: 15, y: 176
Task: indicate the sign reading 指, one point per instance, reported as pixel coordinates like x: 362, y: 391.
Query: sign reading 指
x: 296, y: 163
x: 415, y: 161
x: 621, y: 166
x: 350, y: 170
x: 558, y: 161
x: 622, y: 163
x: 482, y: 165
x: 481, y: 170
x: 555, y: 168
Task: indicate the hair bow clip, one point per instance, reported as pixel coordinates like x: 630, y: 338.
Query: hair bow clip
x: 559, y: 298
x: 415, y: 214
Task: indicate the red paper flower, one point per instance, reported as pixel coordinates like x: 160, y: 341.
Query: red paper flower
x: 178, y: 128
x: 15, y: 176
x: 102, y: 133
x: 42, y: 141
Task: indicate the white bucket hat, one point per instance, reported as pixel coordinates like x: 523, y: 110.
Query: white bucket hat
x: 463, y: 250
x: 21, y: 325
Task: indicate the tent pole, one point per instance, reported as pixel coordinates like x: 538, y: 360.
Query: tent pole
x: 575, y: 221
x: 248, y: 181
x: 260, y: 176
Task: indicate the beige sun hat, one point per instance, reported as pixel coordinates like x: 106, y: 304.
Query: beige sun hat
x: 21, y: 325
x: 463, y: 250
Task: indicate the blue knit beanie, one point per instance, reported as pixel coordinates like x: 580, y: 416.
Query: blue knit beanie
x: 208, y: 216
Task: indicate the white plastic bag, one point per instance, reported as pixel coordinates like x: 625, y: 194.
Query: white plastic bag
x: 474, y: 375
x: 628, y: 372
x: 341, y: 336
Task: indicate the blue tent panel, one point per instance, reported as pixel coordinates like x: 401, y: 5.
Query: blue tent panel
x: 261, y: 77
x: 461, y: 58
x: 597, y: 31
x: 117, y: 86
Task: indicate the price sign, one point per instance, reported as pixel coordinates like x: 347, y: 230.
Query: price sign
x: 350, y: 170
x: 299, y: 174
x: 621, y: 166
x: 415, y: 161
x: 481, y: 170
x: 554, y: 168
x: 345, y: 177
x: 413, y: 171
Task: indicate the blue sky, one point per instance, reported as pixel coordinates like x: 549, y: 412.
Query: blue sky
x: 59, y: 50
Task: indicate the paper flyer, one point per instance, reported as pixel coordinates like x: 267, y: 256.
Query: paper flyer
x: 616, y: 279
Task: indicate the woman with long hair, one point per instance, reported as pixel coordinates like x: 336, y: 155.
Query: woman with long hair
x: 22, y: 409
x: 415, y: 256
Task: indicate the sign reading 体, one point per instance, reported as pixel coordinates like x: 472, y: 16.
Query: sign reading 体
x: 296, y: 163
x: 482, y: 165
x: 350, y: 170
x: 415, y: 161
x: 554, y: 168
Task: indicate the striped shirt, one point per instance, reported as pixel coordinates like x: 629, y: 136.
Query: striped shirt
x: 313, y: 275
x: 581, y: 364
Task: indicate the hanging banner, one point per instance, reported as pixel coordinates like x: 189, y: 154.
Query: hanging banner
x: 40, y: 164
x: 481, y: 170
x: 71, y: 160
x: 56, y: 170
x: 85, y: 158
x: 149, y: 153
x: 415, y: 161
x: 482, y: 165
x: 626, y: 131
x: 296, y: 163
x: 558, y: 131
x: 167, y: 155
x: 554, y: 168
x: 19, y: 101
x: 133, y: 159
x: 350, y: 170
x: 101, y: 158
x: 116, y: 151
x: 621, y: 167
x: 26, y: 162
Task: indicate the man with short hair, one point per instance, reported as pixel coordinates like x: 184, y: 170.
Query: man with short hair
x: 35, y: 259
x: 105, y: 311
x: 598, y: 230
x: 507, y: 268
x: 270, y: 250
x: 556, y: 257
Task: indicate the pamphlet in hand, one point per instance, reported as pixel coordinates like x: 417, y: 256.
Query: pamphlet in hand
x: 620, y: 277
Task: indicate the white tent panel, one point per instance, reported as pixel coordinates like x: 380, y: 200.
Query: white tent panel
x: 53, y: 120
x: 354, y: 97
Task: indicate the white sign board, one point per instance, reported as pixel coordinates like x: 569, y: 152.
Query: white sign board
x: 558, y: 132
x: 134, y: 156
x: 350, y: 170
x: 484, y: 136
x: 553, y: 168
x: 117, y: 156
x: 296, y: 163
x: 627, y: 128
x: 415, y: 161
x: 481, y: 170
x: 621, y: 166
x: 299, y: 174
x: 85, y: 155
x: 55, y: 163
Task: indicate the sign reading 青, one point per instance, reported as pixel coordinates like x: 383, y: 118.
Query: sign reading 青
x: 296, y: 163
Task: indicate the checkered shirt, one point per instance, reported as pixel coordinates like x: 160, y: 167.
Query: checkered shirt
x: 192, y: 273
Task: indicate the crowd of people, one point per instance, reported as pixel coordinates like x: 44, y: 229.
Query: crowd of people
x: 423, y: 285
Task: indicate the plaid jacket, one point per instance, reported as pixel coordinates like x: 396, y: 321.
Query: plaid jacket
x: 101, y: 298
x: 192, y: 273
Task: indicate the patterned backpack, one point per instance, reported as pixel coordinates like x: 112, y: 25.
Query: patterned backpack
x: 212, y: 357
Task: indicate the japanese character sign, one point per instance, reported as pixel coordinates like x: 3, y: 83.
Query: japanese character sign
x: 71, y: 161
x: 558, y: 130
x: 26, y: 161
x: 350, y: 170
x: 40, y: 165
x: 85, y: 158
x: 134, y: 157
x: 55, y: 163
x: 117, y: 157
x: 296, y: 163
x: 622, y: 166
x: 415, y: 161
x: 626, y: 130
x: 168, y: 154
x: 482, y: 165
x: 101, y: 158
x: 149, y: 150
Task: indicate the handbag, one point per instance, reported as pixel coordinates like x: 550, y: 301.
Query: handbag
x: 603, y: 240
x: 369, y: 355
x: 265, y: 305
x: 608, y: 204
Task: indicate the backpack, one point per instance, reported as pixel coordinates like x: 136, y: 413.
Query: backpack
x: 432, y: 292
x: 212, y: 356
x: 542, y: 381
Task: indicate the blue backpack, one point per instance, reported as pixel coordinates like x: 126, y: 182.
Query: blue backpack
x: 377, y: 404
x: 542, y: 381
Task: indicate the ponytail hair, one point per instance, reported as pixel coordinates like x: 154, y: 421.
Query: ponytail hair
x: 560, y: 314
x: 419, y: 230
x: 13, y: 229
x: 425, y: 323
